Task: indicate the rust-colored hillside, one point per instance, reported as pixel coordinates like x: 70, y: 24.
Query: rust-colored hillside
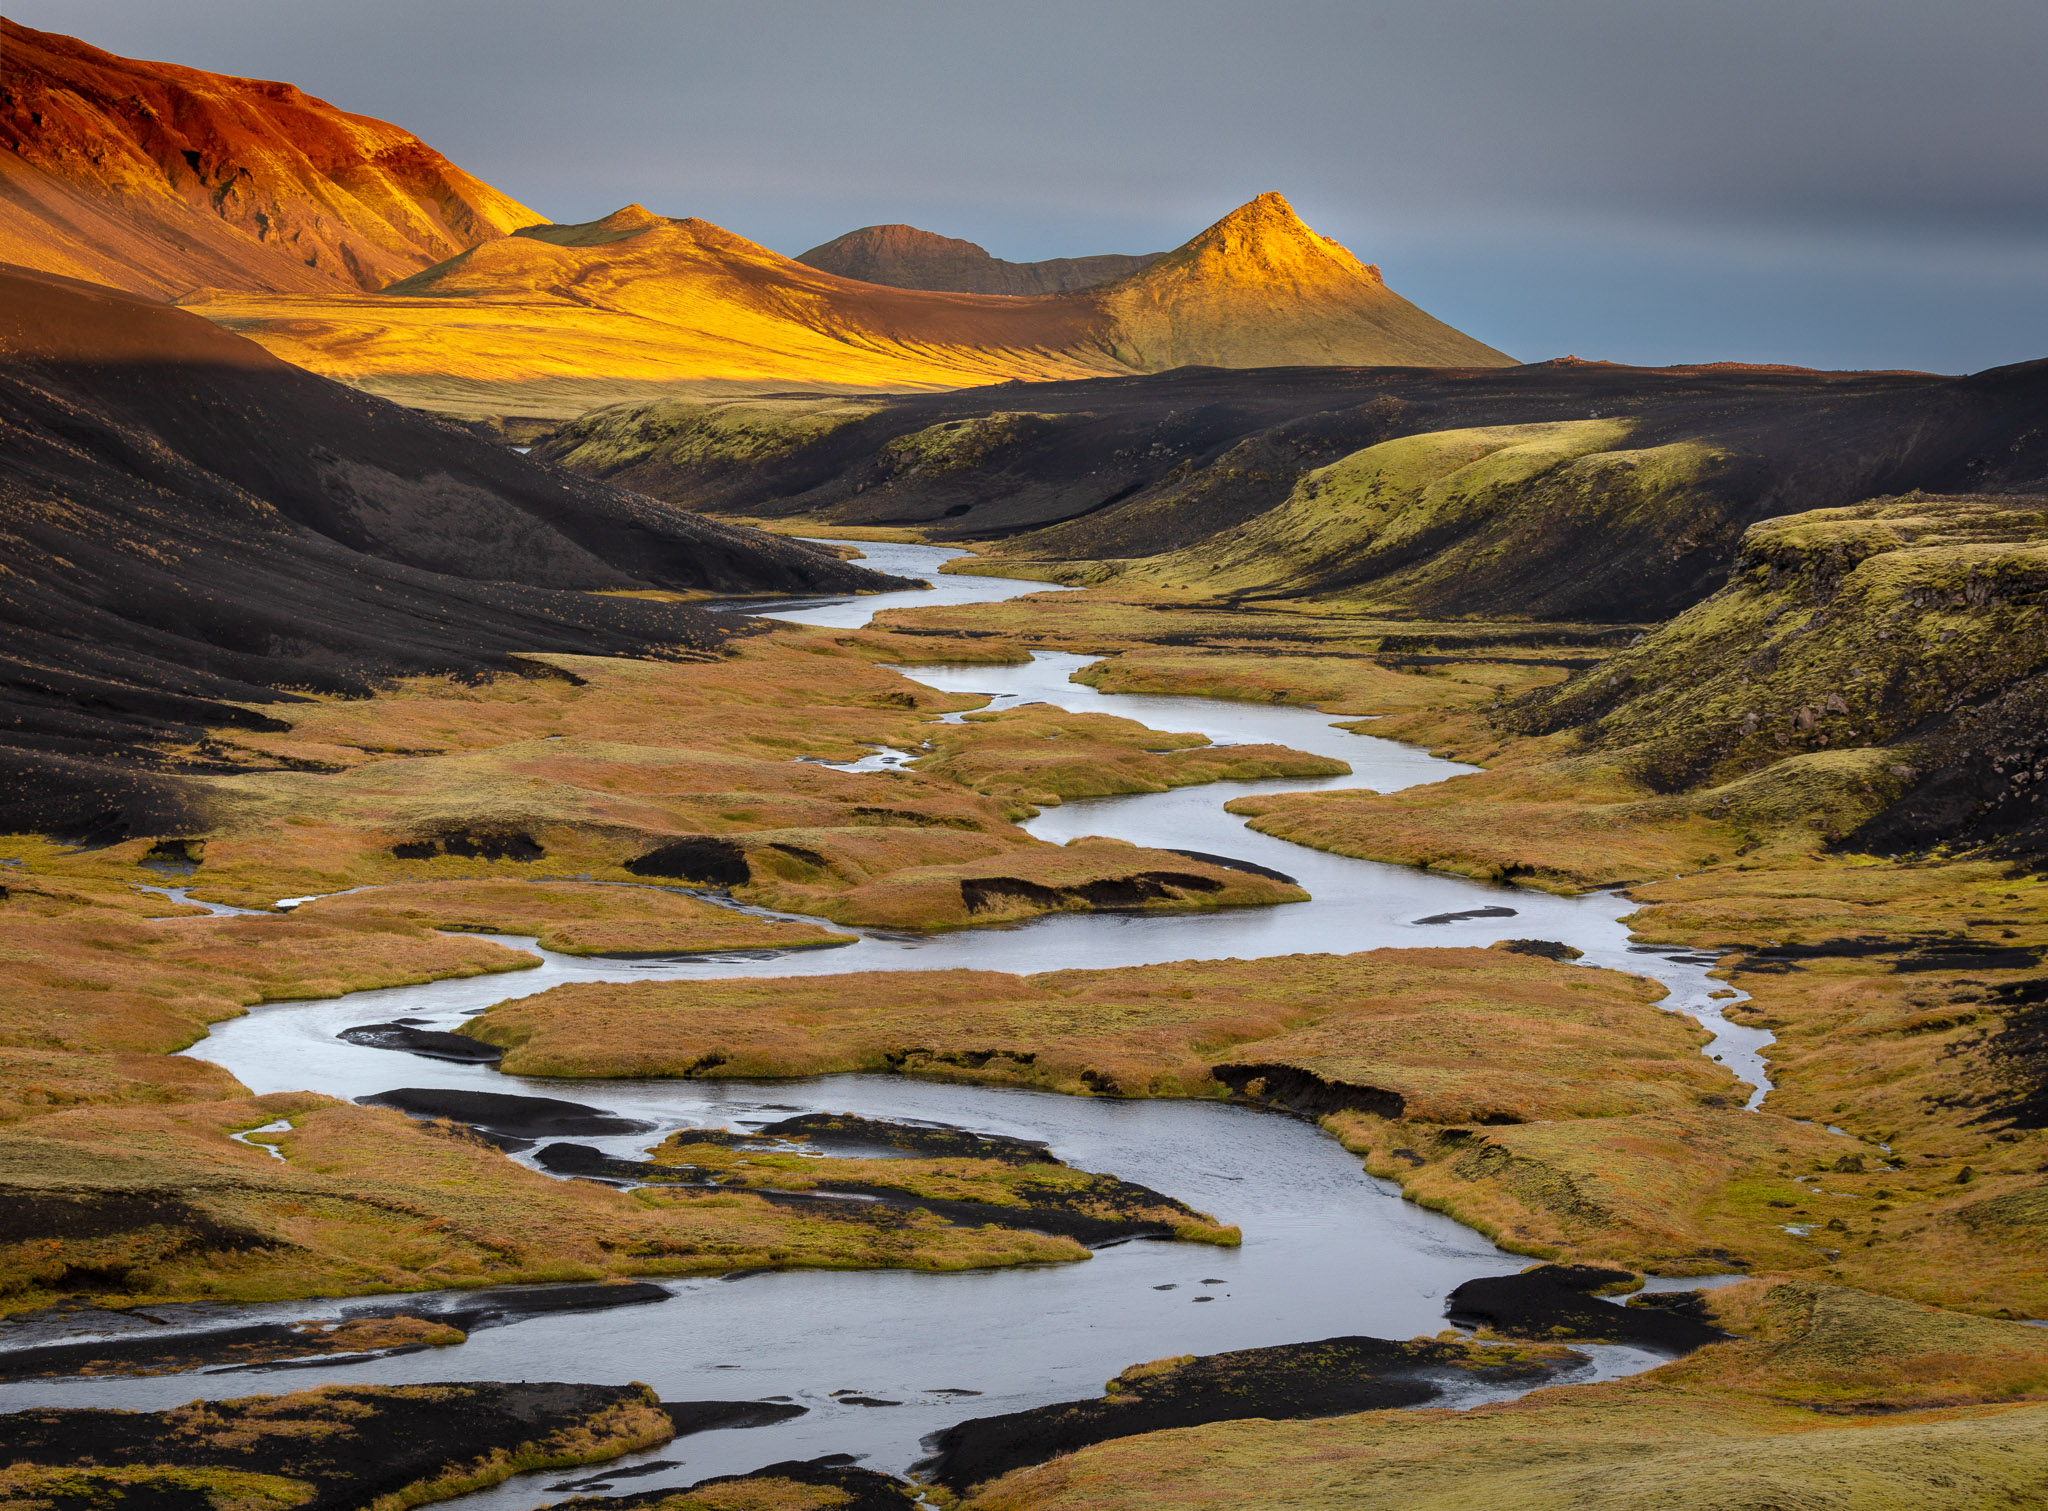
x: 557, y: 319
x: 160, y: 179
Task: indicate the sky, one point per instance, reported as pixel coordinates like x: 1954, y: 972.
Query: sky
x: 1834, y: 183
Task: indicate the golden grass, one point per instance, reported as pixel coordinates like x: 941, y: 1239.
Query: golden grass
x: 1458, y: 1034
x: 367, y: 1200
x: 995, y: 1182
x: 595, y: 763
x: 40, y: 1487
x: 577, y: 918
x: 95, y: 993
x: 754, y: 1493
x: 1922, y: 1409
x: 1039, y: 755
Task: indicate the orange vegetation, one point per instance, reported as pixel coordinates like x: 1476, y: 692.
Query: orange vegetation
x: 1453, y: 1035
x: 366, y: 1199
x: 576, y: 918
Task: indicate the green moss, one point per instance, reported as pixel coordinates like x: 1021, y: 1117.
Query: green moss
x: 1385, y: 515
x: 957, y: 445
x: 682, y: 433
x: 1840, y: 631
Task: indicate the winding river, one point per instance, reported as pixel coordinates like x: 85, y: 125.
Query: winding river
x: 1327, y: 1249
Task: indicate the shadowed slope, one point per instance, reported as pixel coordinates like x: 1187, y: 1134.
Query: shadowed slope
x: 191, y: 525
x: 904, y: 257
x: 555, y: 319
x: 160, y: 179
x: 1564, y: 490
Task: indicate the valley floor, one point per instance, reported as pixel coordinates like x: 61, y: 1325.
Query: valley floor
x: 1888, y: 1196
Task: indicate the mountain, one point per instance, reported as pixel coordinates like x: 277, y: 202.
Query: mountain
x: 161, y: 179
x: 1567, y: 489
x: 195, y: 529
x: 1260, y: 289
x: 558, y: 319
x: 903, y: 257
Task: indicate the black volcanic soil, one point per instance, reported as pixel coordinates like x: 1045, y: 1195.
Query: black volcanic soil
x: 193, y: 525
x: 1292, y: 1380
x: 350, y: 1444
x: 1557, y: 1301
x: 1121, y: 467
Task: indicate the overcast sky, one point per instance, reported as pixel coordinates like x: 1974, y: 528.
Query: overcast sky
x: 1842, y: 183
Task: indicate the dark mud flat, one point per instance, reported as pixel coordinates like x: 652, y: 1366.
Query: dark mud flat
x: 1558, y: 1301
x: 431, y: 1043
x: 346, y: 1447
x: 506, y: 1116
x: 266, y: 1344
x: 1292, y: 1380
x: 863, y: 1489
x: 1470, y: 913
x: 846, y: 1130
x: 1231, y: 863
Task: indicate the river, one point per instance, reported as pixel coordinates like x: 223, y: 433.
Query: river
x: 1327, y: 1249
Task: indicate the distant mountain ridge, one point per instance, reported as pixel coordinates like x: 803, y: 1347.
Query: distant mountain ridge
x: 350, y: 247
x: 905, y: 257
x: 557, y: 319
x: 160, y: 179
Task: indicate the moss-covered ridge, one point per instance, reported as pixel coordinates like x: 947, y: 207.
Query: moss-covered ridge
x: 1894, y: 648
x: 1451, y: 520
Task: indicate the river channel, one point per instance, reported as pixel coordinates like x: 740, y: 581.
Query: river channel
x: 1327, y: 1249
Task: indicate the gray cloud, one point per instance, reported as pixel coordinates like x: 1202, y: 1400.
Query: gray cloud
x: 1852, y: 182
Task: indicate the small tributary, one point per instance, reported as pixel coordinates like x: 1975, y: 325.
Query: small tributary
x: 1327, y: 1249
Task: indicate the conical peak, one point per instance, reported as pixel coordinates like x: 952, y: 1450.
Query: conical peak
x: 637, y: 217
x: 1265, y: 239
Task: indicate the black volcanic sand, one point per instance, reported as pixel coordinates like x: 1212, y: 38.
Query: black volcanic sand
x: 506, y: 1115
x: 429, y: 1042
x: 864, y: 1489
x: 232, y: 527
x: 349, y: 1445
x: 259, y: 1345
x: 1555, y: 1301
x: 1292, y: 1380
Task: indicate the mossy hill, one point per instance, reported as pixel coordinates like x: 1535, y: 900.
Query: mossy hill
x: 1563, y: 490
x: 1898, y: 649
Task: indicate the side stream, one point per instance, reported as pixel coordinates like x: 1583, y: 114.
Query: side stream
x: 1327, y: 1249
